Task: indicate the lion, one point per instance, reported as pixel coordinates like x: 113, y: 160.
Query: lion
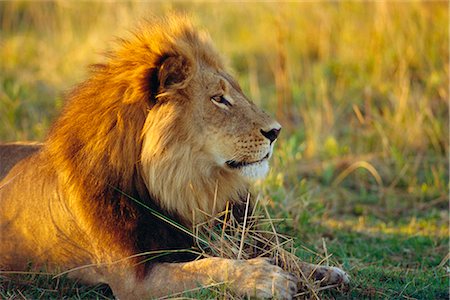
x: 158, y: 132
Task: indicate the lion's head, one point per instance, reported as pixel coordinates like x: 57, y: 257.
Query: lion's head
x: 163, y: 108
x: 203, y: 133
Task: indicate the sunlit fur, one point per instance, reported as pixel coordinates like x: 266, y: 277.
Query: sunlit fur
x: 142, y: 128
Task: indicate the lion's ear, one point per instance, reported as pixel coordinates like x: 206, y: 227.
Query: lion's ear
x: 174, y: 72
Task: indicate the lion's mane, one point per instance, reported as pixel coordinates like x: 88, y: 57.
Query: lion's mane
x: 90, y: 161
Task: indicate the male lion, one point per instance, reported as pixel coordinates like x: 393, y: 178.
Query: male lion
x: 158, y: 132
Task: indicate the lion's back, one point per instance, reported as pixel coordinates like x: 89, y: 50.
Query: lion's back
x: 12, y: 153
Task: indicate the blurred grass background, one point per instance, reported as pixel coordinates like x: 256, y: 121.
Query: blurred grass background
x: 361, y: 88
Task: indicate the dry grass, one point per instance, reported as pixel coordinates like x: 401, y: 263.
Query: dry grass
x: 257, y: 236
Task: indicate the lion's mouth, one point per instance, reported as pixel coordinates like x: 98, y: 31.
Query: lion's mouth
x: 239, y: 164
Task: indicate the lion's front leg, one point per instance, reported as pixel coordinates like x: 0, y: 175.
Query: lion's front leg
x: 255, y: 277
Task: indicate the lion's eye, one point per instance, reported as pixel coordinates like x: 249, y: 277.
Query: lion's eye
x: 221, y: 101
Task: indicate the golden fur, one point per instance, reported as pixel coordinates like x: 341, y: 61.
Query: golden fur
x: 159, y: 128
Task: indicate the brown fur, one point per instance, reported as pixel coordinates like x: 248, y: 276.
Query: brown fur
x: 12, y: 153
x: 141, y: 138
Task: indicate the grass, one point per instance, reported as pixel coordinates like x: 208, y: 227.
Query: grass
x: 361, y: 168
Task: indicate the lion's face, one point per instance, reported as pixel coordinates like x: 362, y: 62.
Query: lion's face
x: 212, y: 120
x: 235, y: 133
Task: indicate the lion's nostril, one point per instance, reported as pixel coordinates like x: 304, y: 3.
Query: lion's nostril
x: 271, y: 134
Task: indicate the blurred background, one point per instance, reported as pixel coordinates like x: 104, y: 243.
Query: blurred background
x: 361, y: 88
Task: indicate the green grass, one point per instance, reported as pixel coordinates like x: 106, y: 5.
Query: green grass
x: 361, y: 169
x: 389, y: 266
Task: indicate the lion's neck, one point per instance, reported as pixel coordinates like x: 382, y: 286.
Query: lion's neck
x: 189, y: 186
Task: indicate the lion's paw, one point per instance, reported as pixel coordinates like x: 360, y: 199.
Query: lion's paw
x: 260, y: 278
x: 331, y: 276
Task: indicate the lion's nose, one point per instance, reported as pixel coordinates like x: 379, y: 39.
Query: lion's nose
x: 271, y: 134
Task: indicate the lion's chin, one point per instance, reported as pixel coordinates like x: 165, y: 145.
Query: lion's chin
x: 256, y: 170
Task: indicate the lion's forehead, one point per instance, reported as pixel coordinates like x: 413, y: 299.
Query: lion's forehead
x: 231, y: 81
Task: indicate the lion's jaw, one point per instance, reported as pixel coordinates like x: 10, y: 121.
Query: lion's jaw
x: 253, y: 170
x: 256, y: 170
